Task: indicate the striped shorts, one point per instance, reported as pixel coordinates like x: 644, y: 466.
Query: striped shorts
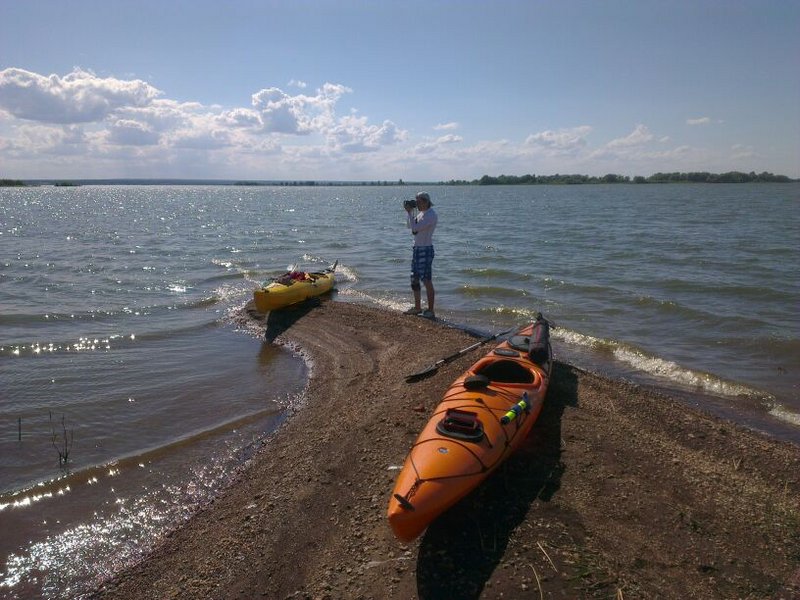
x: 422, y: 263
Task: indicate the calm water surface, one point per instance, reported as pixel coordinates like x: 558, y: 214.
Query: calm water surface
x: 122, y: 325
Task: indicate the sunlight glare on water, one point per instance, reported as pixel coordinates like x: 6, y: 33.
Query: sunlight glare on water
x: 124, y: 315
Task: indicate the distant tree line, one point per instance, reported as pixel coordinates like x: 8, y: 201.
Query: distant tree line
x: 694, y: 177
x: 314, y: 182
x: 557, y: 179
x: 705, y: 177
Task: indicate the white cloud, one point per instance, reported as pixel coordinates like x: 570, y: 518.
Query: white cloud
x: 240, y: 118
x: 639, y: 136
x: 698, y: 121
x: 298, y: 115
x: 90, y: 126
x: 78, y: 97
x: 200, y: 140
x: 298, y: 84
x: 279, y: 112
x: 562, y: 141
x: 35, y: 139
x: 449, y: 139
x: 125, y: 132
x: 438, y: 145
x: 128, y: 121
x: 641, y: 152
x: 741, y: 151
x: 354, y: 134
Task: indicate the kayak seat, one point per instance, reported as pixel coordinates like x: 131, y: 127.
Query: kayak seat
x: 506, y: 371
x: 476, y: 382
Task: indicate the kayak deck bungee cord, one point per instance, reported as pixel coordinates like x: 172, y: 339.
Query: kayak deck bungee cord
x: 482, y: 419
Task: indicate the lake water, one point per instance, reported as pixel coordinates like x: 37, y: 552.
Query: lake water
x: 123, y: 330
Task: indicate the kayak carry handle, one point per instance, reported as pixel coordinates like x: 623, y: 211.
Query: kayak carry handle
x: 403, y: 502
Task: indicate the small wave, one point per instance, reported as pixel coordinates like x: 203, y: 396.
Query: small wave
x: 235, y: 265
x: 91, y: 474
x: 83, y: 344
x: 110, y: 315
x: 228, y: 264
x: 384, y: 301
x: 679, y: 310
x: 245, y: 321
x: 228, y: 293
x: 781, y: 412
x: 202, y: 302
x: 227, y: 276
x: 526, y: 314
x: 480, y: 291
x: 494, y: 273
x: 178, y: 288
x: 104, y: 343
x: 21, y: 319
x: 739, y: 292
x: 674, y: 372
x: 24, y: 319
x: 166, y: 334
x: 581, y: 339
x: 345, y: 273
x: 660, y: 368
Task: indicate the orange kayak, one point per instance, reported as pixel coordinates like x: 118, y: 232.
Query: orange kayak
x: 484, y: 416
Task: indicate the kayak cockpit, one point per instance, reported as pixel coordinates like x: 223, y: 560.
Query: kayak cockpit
x: 506, y: 371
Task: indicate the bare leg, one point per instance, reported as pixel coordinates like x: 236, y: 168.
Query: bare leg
x: 430, y: 293
x: 417, y: 298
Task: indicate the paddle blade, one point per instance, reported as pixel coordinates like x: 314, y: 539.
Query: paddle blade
x: 419, y: 375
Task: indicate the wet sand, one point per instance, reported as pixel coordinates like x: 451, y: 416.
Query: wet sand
x: 619, y: 492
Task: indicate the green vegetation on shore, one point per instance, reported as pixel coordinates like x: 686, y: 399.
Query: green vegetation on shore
x: 693, y: 177
x: 557, y: 179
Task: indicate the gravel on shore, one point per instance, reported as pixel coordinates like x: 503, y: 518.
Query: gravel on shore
x: 619, y: 492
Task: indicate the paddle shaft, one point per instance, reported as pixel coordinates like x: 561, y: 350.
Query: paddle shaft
x: 443, y: 361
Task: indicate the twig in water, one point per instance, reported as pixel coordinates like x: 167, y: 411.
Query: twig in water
x: 66, y: 442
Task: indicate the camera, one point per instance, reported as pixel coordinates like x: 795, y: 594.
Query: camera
x: 409, y: 204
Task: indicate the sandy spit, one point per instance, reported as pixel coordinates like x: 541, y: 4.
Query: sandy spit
x: 619, y: 492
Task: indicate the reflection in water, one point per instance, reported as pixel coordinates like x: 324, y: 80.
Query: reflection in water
x: 202, y: 401
x: 91, y: 524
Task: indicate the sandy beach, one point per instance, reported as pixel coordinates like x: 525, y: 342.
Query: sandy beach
x: 619, y: 492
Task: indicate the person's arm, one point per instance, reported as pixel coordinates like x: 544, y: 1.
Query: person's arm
x: 428, y: 221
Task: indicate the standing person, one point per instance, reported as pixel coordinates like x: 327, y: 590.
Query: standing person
x: 422, y: 224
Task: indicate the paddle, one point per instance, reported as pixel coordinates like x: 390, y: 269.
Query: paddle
x: 443, y: 361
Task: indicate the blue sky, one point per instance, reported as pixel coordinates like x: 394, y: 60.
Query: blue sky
x: 413, y: 90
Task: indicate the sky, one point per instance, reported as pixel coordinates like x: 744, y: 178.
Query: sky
x: 418, y: 90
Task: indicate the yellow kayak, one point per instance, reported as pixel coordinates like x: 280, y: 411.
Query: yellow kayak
x: 293, y: 287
